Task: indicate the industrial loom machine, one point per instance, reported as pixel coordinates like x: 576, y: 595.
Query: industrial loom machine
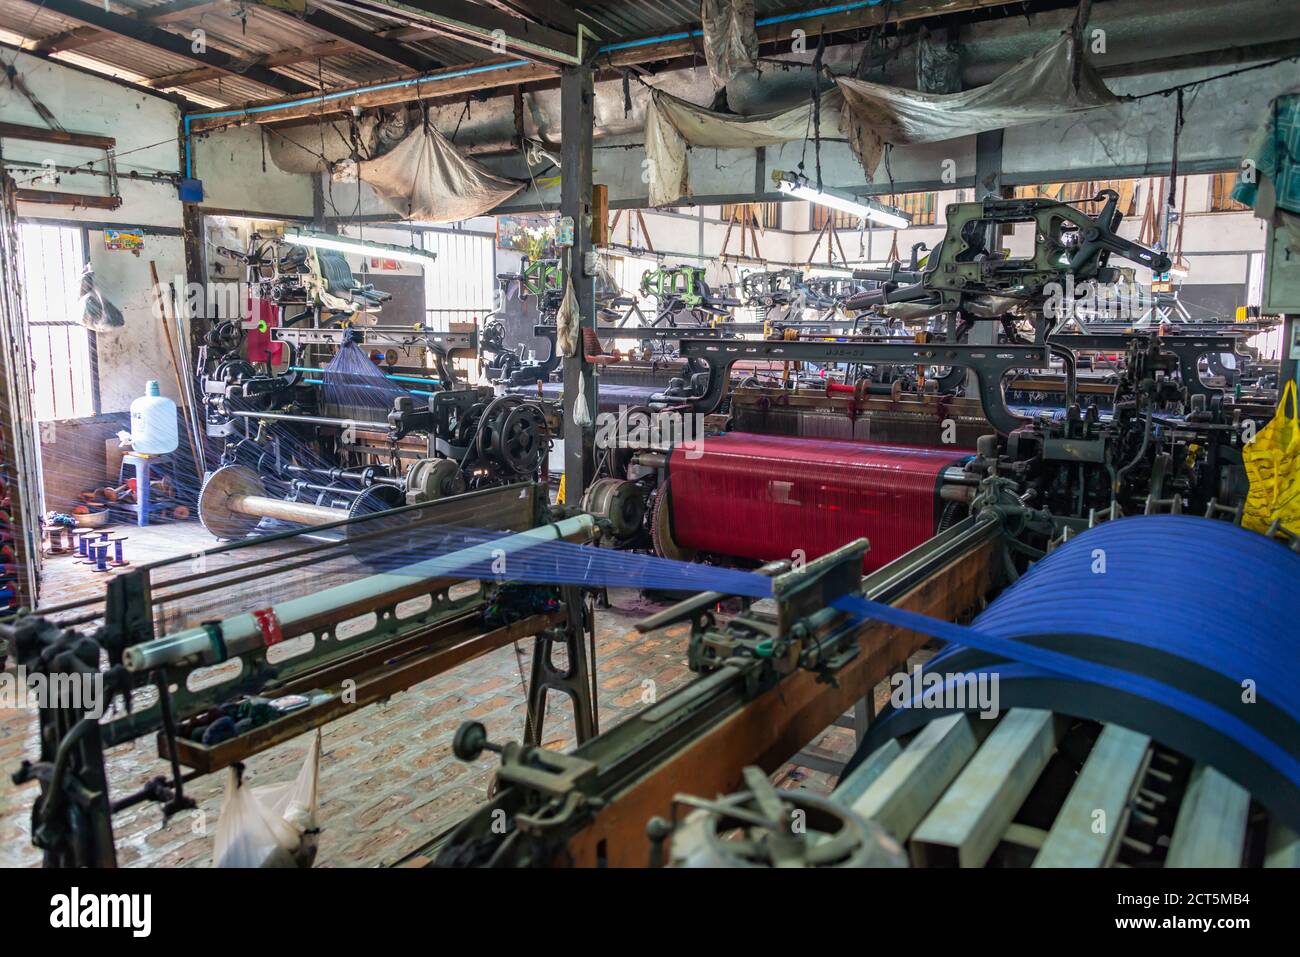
x: 324, y: 413
x: 215, y: 686
x: 845, y: 500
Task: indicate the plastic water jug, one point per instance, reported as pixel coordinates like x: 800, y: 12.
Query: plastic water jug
x: 153, y: 422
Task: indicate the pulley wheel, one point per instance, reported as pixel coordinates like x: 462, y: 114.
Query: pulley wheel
x: 618, y: 502
x: 661, y: 531
x: 371, y: 540
x: 811, y: 831
x: 214, y: 501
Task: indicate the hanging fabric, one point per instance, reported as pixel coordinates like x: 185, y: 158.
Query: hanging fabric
x: 672, y: 124
x: 872, y: 115
x: 1270, y: 180
x: 1037, y: 88
x: 730, y: 39
x: 426, y: 178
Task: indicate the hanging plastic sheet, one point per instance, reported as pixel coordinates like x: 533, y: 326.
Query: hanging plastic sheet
x: 730, y: 40
x: 1038, y: 88
x: 672, y: 124
x: 94, y: 309
x: 426, y: 178
x: 314, y: 149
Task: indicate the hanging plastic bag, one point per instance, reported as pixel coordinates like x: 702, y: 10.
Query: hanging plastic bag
x: 1273, y: 466
x: 581, y: 412
x: 95, y: 311
x: 273, y: 825
x: 567, y: 322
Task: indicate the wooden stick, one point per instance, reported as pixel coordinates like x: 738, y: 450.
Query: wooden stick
x: 164, y: 314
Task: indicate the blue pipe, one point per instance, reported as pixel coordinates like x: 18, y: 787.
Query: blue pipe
x: 472, y: 71
x: 400, y: 378
x: 322, y: 382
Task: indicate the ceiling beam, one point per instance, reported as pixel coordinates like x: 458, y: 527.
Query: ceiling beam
x: 283, y: 58
x: 363, y: 39
x: 435, y: 86
x: 483, y: 26
x: 551, y: 13
x: 84, y: 36
x: 146, y: 33
x: 448, y: 82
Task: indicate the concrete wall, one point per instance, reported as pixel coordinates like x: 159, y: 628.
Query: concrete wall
x: 230, y: 164
x: 146, y: 128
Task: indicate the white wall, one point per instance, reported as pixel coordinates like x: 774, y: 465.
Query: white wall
x: 229, y: 162
x: 146, y: 128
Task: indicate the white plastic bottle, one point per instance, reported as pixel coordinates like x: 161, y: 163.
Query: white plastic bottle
x: 153, y: 422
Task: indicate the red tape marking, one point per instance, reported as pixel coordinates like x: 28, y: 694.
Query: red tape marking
x: 270, y: 625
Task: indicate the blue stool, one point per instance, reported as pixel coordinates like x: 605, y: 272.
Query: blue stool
x: 145, y: 467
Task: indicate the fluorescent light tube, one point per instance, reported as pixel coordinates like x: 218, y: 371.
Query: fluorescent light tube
x: 361, y: 247
x: 792, y: 186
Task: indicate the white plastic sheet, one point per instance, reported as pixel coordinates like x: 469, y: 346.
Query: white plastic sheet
x: 730, y: 40
x: 270, y: 826
x: 671, y: 124
x: 424, y: 177
x: 1037, y: 88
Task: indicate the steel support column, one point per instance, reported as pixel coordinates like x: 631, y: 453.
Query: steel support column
x: 988, y: 185
x: 577, y: 121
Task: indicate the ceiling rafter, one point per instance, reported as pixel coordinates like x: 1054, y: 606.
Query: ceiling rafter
x: 360, y: 38
x: 146, y: 33
x: 79, y: 37
x: 483, y: 26
x: 471, y: 77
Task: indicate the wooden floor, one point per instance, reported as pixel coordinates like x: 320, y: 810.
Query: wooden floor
x: 388, y: 780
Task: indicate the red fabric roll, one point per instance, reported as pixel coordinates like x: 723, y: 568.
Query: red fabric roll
x: 769, y: 497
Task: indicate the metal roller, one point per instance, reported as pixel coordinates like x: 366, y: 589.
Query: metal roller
x: 619, y: 502
x: 234, y: 500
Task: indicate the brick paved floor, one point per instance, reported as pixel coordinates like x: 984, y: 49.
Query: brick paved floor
x: 388, y: 781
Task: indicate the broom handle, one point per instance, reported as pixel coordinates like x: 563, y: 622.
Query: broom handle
x: 163, y: 311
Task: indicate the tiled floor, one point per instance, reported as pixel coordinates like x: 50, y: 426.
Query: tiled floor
x: 388, y: 780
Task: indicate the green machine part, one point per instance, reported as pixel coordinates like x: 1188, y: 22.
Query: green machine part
x: 540, y: 276
x: 682, y: 282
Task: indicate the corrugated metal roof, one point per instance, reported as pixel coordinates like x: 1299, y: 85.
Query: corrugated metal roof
x: 247, y: 31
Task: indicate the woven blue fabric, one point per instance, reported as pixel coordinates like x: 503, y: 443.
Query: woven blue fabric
x: 1207, y: 592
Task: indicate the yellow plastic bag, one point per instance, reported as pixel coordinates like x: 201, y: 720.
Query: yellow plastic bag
x: 1273, y: 466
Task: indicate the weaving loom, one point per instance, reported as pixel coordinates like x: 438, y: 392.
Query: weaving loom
x: 1117, y: 646
x: 769, y: 497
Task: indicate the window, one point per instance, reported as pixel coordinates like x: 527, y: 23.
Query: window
x: 766, y: 215
x: 1221, y: 201
x: 460, y: 285
x: 62, y: 349
x: 1084, y: 189
x: 841, y: 219
x: 921, y: 207
x: 627, y: 272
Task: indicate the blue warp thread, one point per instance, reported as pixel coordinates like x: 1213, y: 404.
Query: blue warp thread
x: 1202, y: 591
x: 1206, y: 592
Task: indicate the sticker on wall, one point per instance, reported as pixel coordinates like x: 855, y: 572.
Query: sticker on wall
x: 128, y: 239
